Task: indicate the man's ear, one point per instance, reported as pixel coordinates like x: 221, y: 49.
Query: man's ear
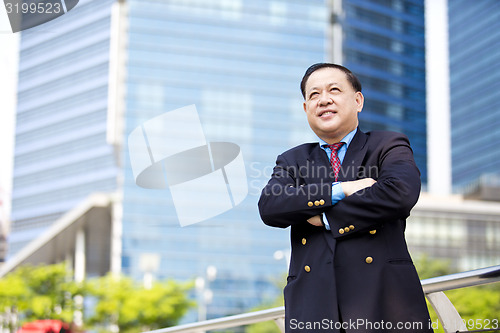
x: 305, y: 107
x: 360, y: 100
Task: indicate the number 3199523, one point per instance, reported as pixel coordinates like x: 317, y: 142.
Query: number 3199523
x: 34, y: 8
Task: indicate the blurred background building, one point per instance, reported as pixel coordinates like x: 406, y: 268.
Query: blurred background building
x: 474, y: 39
x: 464, y: 232
x: 383, y: 42
x: 89, y: 78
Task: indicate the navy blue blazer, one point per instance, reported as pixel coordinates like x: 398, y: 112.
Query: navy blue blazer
x: 358, y: 276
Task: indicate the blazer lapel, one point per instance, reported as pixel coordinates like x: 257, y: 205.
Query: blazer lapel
x: 321, y: 172
x: 318, y: 167
x: 353, y: 157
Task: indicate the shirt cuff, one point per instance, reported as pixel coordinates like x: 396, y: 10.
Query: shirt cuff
x: 325, y: 222
x: 337, y: 193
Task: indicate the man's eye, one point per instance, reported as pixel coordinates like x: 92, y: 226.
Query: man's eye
x: 335, y: 89
x: 313, y: 94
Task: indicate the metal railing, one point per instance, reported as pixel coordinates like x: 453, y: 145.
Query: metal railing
x: 433, y: 289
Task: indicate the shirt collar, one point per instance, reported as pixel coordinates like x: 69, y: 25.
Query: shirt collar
x: 347, y: 139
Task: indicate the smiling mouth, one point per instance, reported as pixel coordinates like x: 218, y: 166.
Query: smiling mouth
x: 326, y: 113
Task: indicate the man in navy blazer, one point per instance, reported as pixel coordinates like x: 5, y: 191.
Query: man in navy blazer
x: 350, y: 270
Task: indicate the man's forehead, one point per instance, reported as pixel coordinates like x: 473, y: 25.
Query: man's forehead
x: 325, y: 84
x: 326, y: 77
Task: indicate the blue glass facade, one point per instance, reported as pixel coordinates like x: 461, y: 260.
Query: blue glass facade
x: 474, y: 34
x: 240, y: 62
x: 61, y: 154
x: 385, y: 46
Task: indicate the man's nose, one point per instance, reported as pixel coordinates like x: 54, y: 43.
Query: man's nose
x: 325, y: 99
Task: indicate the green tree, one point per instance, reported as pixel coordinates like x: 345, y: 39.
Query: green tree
x: 478, y: 306
x: 52, y: 292
x: 48, y: 292
x: 13, y: 295
x: 125, y: 304
x: 39, y: 292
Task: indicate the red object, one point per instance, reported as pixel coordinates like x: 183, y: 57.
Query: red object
x: 44, y: 326
x: 334, y: 159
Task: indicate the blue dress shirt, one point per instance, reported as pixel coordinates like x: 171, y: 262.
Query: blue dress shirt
x: 337, y: 193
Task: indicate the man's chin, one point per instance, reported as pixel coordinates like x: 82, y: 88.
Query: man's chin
x: 328, y: 131
x: 328, y: 136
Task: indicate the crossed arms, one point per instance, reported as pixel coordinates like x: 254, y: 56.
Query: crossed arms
x: 369, y: 202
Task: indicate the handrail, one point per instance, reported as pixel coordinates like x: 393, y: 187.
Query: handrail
x: 227, y: 322
x: 461, y: 280
x: 436, y: 284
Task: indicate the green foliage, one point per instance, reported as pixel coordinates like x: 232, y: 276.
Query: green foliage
x: 428, y: 268
x: 477, y: 306
x: 48, y: 292
x: 122, y: 302
x: 482, y: 302
x: 39, y: 292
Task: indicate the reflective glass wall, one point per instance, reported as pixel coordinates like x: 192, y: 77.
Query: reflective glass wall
x: 474, y: 32
x: 384, y: 45
x: 240, y: 63
x: 61, y: 155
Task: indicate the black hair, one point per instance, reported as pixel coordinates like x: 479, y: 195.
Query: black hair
x: 353, y: 80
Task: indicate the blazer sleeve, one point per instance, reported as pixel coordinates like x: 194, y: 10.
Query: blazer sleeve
x: 390, y: 199
x: 286, y: 201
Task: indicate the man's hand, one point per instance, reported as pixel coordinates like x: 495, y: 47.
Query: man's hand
x: 356, y: 185
x: 349, y: 188
x: 316, y: 221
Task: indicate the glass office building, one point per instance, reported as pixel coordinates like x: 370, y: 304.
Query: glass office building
x: 240, y: 62
x: 61, y: 154
x: 474, y: 39
x: 385, y: 46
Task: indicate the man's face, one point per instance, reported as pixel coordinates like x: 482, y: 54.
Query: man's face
x: 331, y: 104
